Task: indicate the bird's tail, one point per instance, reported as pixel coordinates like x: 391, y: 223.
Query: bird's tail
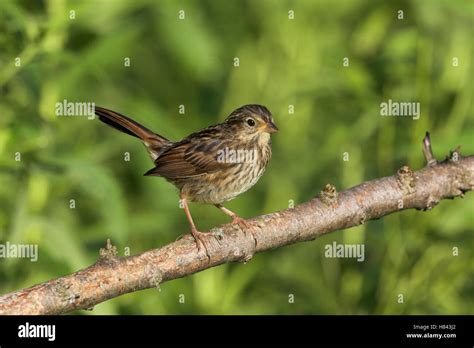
x: 155, y: 143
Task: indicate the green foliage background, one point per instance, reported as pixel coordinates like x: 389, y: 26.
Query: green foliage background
x: 282, y: 62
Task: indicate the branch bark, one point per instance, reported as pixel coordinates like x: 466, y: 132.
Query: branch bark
x: 112, y: 276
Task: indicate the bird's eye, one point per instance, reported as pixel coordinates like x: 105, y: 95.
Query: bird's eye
x: 250, y: 122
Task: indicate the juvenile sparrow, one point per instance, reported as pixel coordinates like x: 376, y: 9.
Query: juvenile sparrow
x: 213, y: 165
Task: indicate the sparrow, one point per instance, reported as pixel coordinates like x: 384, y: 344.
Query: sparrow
x: 213, y: 165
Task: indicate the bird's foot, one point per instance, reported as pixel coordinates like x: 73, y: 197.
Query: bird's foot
x: 241, y: 222
x: 200, y: 238
x: 246, y: 226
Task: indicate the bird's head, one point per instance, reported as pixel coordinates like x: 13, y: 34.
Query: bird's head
x: 252, y: 120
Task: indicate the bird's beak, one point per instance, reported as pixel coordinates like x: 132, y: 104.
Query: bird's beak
x: 271, y: 127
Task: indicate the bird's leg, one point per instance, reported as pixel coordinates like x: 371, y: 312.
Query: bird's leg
x: 198, y: 236
x: 238, y: 220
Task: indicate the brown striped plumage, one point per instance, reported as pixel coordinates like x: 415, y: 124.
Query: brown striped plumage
x: 213, y: 165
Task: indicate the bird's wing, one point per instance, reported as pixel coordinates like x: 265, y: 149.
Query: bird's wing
x: 196, y: 155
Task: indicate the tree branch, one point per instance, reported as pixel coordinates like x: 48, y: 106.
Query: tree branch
x: 112, y: 276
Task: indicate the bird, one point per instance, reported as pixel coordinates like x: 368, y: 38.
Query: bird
x: 213, y: 165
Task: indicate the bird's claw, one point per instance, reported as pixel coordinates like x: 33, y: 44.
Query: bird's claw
x: 199, y: 237
x: 246, y: 226
x: 241, y: 222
